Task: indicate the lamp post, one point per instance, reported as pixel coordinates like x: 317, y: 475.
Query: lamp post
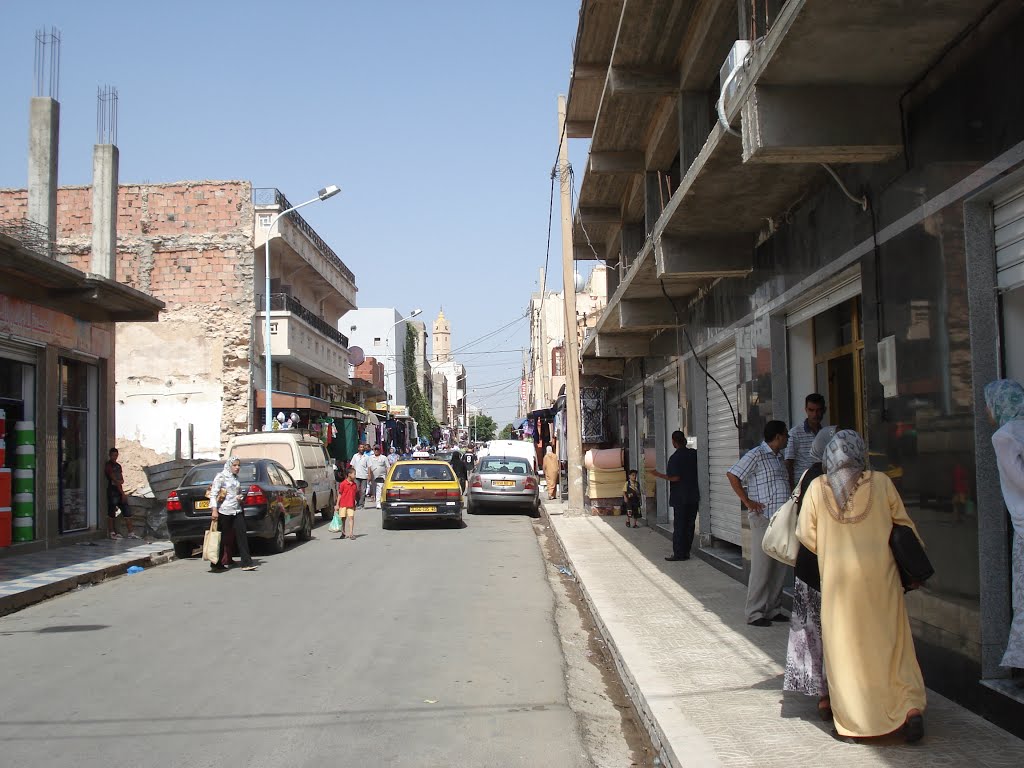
x: 323, y: 194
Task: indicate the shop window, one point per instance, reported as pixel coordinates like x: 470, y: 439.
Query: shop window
x: 77, y: 444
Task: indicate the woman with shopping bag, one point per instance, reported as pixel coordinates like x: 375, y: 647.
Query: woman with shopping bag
x: 226, y: 510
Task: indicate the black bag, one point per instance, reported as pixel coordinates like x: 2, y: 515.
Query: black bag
x: 911, y: 560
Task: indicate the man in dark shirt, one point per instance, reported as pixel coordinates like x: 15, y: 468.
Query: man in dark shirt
x: 683, y: 495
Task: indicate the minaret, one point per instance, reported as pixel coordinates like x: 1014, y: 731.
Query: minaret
x: 442, y: 339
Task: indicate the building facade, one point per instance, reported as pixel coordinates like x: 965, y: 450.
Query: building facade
x: 454, y: 373
x: 380, y: 333
x: 777, y: 234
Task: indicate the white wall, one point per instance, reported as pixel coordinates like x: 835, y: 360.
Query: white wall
x: 800, y: 361
x: 1013, y: 333
x: 379, y: 322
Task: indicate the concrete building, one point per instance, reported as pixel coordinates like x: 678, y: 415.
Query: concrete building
x: 59, y: 323
x: 380, y: 332
x: 423, y: 373
x: 749, y: 274
x: 454, y: 373
x: 198, y: 246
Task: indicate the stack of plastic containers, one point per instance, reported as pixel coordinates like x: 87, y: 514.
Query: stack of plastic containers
x: 24, y: 489
x: 5, y: 507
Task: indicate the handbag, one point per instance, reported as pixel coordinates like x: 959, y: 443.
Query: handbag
x: 211, y: 543
x: 911, y: 561
x: 780, y: 541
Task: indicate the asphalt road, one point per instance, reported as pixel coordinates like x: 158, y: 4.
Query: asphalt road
x: 415, y: 647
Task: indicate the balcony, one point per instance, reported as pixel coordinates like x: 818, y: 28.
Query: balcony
x: 296, y: 249
x: 304, y: 342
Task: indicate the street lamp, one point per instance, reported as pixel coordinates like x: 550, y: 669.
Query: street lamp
x: 323, y: 194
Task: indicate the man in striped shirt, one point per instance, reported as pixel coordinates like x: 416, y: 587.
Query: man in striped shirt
x: 767, y: 489
x: 798, y: 452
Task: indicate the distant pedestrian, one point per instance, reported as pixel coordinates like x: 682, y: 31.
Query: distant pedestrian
x: 551, y: 470
x: 798, y: 450
x: 392, y: 456
x: 377, y: 469
x: 359, y: 464
x: 116, y: 497
x: 541, y: 439
x: 767, y: 489
x: 226, y: 509
x: 683, y: 495
x: 631, y: 499
x: 348, y: 489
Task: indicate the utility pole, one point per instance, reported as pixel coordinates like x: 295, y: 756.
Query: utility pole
x: 573, y: 431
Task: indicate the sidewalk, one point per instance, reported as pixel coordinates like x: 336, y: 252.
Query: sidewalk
x: 27, y: 579
x: 708, y: 687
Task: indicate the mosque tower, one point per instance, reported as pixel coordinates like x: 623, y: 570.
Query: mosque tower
x: 442, y: 339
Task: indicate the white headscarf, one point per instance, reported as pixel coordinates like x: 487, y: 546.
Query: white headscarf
x: 844, y: 464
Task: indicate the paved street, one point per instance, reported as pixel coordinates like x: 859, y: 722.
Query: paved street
x: 417, y: 647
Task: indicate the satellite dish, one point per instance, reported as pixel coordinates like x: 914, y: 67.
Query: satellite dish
x: 356, y: 356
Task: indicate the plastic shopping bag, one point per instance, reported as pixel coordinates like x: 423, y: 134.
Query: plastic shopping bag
x: 335, y: 525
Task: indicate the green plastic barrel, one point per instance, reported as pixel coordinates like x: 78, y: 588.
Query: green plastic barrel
x: 23, y: 529
x: 24, y: 481
x: 24, y: 433
x: 25, y: 457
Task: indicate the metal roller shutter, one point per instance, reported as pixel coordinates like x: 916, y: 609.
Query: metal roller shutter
x: 723, y: 448
x: 1008, y: 223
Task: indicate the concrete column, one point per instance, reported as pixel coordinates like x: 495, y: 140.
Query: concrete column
x: 612, y: 278
x: 652, y: 200
x: 694, y: 126
x: 104, y: 210
x: 632, y: 241
x: 43, y: 137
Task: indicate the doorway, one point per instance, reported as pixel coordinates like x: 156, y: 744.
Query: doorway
x: 839, y: 363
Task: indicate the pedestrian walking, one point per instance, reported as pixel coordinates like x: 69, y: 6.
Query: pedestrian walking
x: 226, y: 508
x: 348, y: 489
x: 392, y: 456
x: 631, y: 499
x: 805, y: 653
x: 1005, y: 401
x: 875, y: 683
x: 377, y: 468
x: 683, y: 495
x: 798, y: 450
x: 551, y: 470
x: 541, y: 439
x: 359, y: 464
x: 116, y: 497
x: 767, y: 489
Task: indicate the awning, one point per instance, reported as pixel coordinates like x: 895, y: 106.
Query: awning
x: 286, y: 401
x: 351, y: 410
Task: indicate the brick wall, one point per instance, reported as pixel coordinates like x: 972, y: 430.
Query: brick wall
x: 372, y: 371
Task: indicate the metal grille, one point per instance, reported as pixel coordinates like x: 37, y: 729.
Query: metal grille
x: 592, y: 414
x: 282, y: 302
x: 723, y: 449
x: 32, y: 236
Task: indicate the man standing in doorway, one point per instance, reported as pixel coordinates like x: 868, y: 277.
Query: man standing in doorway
x: 360, y: 465
x: 798, y: 452
x: 116, y: 498
x: 767, y: 488
x: 683, y: 495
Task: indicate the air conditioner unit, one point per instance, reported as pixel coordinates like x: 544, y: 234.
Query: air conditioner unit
x: 733, y: 62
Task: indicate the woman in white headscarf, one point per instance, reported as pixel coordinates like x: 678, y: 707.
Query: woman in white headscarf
x: 1005, y: 401
x: 226, y: 508
x: 805, y: 658
x: 875, y: 682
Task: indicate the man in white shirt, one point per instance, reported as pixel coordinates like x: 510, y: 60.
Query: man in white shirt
x: 377, y: 465
x: 360, y: 464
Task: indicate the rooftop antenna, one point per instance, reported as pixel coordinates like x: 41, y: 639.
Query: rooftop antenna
x: 46, y: 68
x: 106, y: 115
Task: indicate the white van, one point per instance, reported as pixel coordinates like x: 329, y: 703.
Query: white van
x: 302, y: 454
x: 519, y: 448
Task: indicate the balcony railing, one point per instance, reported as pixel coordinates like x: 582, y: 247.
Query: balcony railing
x: 273, y: 196
x: 282, y: 302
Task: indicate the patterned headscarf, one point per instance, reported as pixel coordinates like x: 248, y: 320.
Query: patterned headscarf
x: 825, y: 434
x: 1005, y: 398
x: 844, y: 464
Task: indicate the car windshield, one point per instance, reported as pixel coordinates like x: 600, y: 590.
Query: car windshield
x: 204, y: 475
x: 500, y: 465
x: 420, y: 472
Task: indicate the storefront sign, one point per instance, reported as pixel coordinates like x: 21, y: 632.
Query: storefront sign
x: 20, y: 318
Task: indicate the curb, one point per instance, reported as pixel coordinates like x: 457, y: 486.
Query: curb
x: 14, y: 603
x: 666, y: 753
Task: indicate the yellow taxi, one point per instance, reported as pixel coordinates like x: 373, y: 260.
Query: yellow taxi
x: 421, y: 490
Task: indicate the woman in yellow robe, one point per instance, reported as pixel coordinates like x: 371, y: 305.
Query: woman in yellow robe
x: 847, y: 515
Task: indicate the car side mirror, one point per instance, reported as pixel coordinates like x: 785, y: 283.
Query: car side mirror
x: 301, y: 484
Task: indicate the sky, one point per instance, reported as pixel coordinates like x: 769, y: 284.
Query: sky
x: 438, y: 121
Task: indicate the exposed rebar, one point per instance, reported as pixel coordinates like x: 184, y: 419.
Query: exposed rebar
x: 106, y: 115
x: 46, y: 67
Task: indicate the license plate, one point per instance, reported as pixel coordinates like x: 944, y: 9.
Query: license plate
x: 202, y: 504
x: 504, y: 483
x: 423, y: 509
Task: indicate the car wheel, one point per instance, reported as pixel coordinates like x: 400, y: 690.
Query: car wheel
x: 327, y: 513
x: 535, y: 510
x: 277, y: 543
x: 305, y: 532
x: 183, y: 549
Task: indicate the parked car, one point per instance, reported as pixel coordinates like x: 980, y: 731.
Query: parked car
x: 421, y: 489
x: 505, y: 482
x: 302, y: 455
x: 274, y: 505
x: 457, y: 460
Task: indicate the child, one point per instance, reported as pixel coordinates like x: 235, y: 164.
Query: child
x: 631, y: 499
x: 348, y: 489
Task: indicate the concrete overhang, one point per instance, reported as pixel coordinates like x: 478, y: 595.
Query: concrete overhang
x: 595, y: 39
x: 41, y: 280
x: 824, y: 85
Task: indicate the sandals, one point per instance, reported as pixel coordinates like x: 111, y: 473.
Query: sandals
x: 825, y: 710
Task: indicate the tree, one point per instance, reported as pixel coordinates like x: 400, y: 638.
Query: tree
x: 419, y: 408
x: 482, y: 427
x: 506, y: 432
